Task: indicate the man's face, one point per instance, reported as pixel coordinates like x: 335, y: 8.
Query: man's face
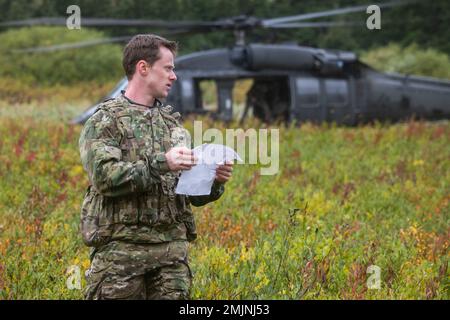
x: 161, y: 75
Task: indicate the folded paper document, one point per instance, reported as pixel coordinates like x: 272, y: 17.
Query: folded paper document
x: 199, y: 179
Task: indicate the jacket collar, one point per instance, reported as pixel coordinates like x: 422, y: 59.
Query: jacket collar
x: 156, y: 103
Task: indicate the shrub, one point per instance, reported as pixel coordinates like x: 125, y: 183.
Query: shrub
x: 96, y: 63
x: 409, y: 60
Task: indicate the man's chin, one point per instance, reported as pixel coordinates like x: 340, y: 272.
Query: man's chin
x: 161, y: 96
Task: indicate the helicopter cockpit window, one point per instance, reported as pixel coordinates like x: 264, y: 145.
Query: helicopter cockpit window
x: 308, y: 92
x: 336, y: 92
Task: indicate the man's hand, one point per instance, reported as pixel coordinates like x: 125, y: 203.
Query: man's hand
x: 180, y: 158
x: 223, y: 172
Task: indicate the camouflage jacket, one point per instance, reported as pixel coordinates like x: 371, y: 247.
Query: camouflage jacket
x: 131, y: 195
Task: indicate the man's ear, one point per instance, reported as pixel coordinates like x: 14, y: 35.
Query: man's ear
x: 142, y: 67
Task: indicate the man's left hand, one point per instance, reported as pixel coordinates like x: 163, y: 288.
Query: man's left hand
x: 223, y: 172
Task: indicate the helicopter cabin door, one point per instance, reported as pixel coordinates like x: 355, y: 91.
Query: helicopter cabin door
x: 337, y: 101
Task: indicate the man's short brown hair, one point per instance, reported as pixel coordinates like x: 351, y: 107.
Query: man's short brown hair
x: 144, y: 47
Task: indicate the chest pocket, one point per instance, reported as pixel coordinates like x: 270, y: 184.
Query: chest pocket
x: 136, y: 136
x: 128, y: 144
x: 161, y: 132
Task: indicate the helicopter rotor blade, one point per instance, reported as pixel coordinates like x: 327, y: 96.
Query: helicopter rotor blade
x: 84, y: 44
x: 323, y: 24
x: 76, y: 45
x: 35, y: 21
x: 329, y: 13
x: 107, y: 22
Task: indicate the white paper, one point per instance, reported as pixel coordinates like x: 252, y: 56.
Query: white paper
x: 199, y: 179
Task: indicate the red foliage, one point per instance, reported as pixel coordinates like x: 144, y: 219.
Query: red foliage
x: 31, y: 157
x: 438, y: 132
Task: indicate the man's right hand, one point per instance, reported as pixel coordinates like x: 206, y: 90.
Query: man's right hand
x: 180, y: 158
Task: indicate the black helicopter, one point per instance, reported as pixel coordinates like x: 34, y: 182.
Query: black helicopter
x: 290, y: 82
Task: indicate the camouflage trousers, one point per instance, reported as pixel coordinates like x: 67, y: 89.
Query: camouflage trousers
x: 122, y: 270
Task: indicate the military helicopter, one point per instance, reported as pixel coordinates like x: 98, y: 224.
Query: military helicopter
x: 290, y: 82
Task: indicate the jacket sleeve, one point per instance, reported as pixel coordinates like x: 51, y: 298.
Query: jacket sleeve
x: 217, y: 190
x: 101, y: 157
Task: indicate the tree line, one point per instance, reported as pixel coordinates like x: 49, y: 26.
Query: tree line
x: 422, y: 22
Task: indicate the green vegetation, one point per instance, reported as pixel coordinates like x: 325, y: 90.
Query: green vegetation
x: 371, y: 195
x: 84, y: 74
x: 99, y: 63
x: 410, y: 60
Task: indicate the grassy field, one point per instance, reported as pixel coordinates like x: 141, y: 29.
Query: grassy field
x: 345, y: 202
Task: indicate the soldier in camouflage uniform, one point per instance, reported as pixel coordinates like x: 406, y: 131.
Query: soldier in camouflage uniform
x: 137, y: 227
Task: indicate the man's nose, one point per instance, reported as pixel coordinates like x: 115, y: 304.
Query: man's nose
x: 173, y: 76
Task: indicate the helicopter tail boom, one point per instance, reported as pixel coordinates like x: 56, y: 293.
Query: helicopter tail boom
x: 396, y: 96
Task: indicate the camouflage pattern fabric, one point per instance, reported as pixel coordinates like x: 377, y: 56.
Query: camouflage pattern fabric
x: 131, y: 271
x: 131, y: 196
